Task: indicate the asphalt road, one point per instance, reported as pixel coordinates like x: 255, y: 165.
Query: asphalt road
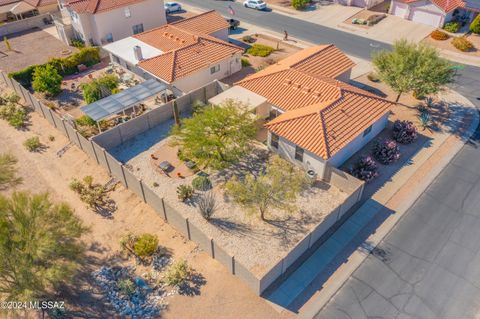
x: 429, y: 264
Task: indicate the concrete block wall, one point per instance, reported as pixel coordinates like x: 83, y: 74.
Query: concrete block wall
x: 23, y: 25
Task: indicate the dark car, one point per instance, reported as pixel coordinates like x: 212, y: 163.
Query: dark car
x: 234, y: 23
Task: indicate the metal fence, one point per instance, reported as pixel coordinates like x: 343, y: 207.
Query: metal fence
x: 96, y: 149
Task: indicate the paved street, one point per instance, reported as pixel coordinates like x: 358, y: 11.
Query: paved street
x: 429, y: 265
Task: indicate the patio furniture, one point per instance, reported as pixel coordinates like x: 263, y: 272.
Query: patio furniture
x: 165, y: 166
x: 190, y: 164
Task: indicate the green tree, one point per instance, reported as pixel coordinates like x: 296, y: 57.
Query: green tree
x: 99, y: 88
x: 299, y: 4
x: 475, y: 25
x: 277, y: 187
x: 39, y: 245
x: 217, y: 136
x: 93, y: 194
x: 46, y: 79
x: 413, y: 67
x: 8, y: 171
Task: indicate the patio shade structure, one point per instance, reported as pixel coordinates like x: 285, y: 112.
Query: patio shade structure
x: 124, y: 100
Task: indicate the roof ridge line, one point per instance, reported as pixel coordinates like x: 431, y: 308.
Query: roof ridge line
x: 197, y: 15
x: 309, y: 56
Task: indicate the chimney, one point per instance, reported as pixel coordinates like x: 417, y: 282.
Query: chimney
x: 137, y: 51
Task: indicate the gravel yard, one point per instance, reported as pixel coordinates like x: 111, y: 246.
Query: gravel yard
x: 255, y: 244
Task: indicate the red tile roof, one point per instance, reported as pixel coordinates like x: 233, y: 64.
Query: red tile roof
x: 445, y: 5
x: 322, y: 114
x: 206, y: 23
x: 40, y: 3
x: 97, y: 6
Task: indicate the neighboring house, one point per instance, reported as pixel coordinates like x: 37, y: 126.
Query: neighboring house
x: 98, y: 22
x: 314, y: 117
x: 359, y: 3
x: 435, y: 12
x: 184, y: 55
x: 11, y: 10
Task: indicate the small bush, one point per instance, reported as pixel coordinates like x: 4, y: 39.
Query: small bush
x: 15, y: 115
x: 452, y: 26
x: 126, y: 286
x: 475, y: 25
x: 299, y: 4
x: 51, y: 138
x: 185, y: 192
x: 260, y: 50
x: 365, y: 169
x: 386, y: 151
x: 201, y: 183
x: 207, y: 205
x: 178, y: 273
x: 32, y: 144
x: 46, y: 80
x: 155, y: 184
x: 248, y: 39
x: 404, y: 132
x: 145, y: 245
x: 439, y: 35
x: 197, y: 106
x: 373, y: 77
x: 85, y: 120
x: 462, y: 44
x: 245, y: 63
x: 77, y: 43
x: 424, y: 118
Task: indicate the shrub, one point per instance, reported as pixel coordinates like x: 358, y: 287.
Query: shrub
x: 439, y: 35
x: 260, y: 50
x: 201, y: 183
x: 248, y: 39
x: 475, y: 25
x: 24, y: 77
x: 51, y: 138
x: 95, y: 89
x: 452, y: 26
x: 365, y: 169
x: 386, y: 151
x: 197, y: 106
x: 404, y: 132
x: 145, y: 245
x: 424, y: 118
x: 375, y: 18
x: 185, y: 192
x: 207, y: 205
x: 155, y: 184
x: 373, y: 77
x: 245, y: 63
x: 126, y: 286
x: 47, y: 80
x: 178, y: 273
x: 32, y: 144
x: 462, y: 44
x: 85, y: 120
x: 299, y: 4
x: 15, y: 115
x: 77, y: 43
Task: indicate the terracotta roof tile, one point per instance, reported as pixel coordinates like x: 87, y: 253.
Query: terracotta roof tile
x: 97, y: 6
x: 206, y: 23
x: 445, y: 5
x: 39, y: 3
x: 322, y: 114
x: 167, y: 37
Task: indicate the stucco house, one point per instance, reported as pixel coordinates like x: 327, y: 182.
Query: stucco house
x: 359, y: 3
x: 17, y: 10
x: 435, y: 12
x: 185, y: 55
x: 313, y: 116
x: 98, y: 22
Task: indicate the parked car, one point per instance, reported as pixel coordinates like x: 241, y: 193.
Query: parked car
x: 172, y: 7
x: 234, y: 23
x: 255, y: 4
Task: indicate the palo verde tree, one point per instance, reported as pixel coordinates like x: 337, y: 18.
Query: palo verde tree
x: 413, y: 67
x: 216, y: 136
x: 39, y: 245
x: 46, y: 79
x: 8, y: 171
x: 277, y: 187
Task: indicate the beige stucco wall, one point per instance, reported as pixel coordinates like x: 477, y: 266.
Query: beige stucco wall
x: 48, y: 8
x: 193, y: 81
x: 150, y: 13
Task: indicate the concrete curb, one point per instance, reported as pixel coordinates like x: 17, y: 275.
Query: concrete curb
x: 340, y: 277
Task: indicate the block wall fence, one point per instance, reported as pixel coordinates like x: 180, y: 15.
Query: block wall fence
x: 96, y: 148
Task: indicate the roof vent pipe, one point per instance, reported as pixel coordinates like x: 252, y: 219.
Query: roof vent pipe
x: 137, y: 51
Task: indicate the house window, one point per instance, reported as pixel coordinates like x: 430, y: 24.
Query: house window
x: 215, y: 69
x: 368, y: 130
x: 274, y: 140
x: 273, y: 114
x: 127, y: 12
x: 109, y: 38
x: 74, y: 16
x: 138, y: 28
x: 299, y: 153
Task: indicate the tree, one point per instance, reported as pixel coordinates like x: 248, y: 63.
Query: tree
x: 216, y: 136
x: 413, y: 67
x: 8, y: 171
x: 475, y: 25
x: 93, y: 194
x: 46, y: 79
x: 39, y: 245
x: 299, y: 4
x: 99, y: 88
x: 277, y: 187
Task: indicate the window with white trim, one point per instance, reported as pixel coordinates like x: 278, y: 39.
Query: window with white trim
x: 299, y: 153
x: 274, y: 140
x: 128, y: 14
x: 215, y: 69
x: 138, y: 28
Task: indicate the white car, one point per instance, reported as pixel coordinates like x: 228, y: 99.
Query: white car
x: 172, y: 7
x: 255, y: 4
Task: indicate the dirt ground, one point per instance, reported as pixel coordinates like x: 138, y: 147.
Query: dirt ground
x: 447, y: 44
x: 223, y: 295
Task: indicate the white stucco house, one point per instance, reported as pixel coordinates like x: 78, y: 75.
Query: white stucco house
x: 313, y: 116
x: 185, y: 55
x: 435, y: 12
x: 359, y: 3
x: 98, y: 22
x: 18, y: 9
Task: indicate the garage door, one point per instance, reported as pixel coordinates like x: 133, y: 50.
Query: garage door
x: 399, y: 9
x: 425, y: 17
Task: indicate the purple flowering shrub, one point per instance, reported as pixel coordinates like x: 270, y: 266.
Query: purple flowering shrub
x: 386, y: 151
x: 365, y: 169
x: 404, y: 132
